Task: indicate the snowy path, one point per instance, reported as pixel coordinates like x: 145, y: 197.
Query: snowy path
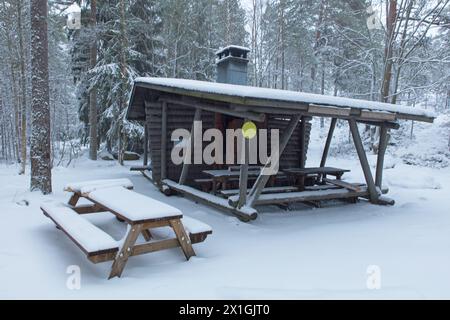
x: 309, y: 253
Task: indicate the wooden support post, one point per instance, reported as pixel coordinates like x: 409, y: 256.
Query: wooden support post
x: 125, y: 252
x: 183, y: 238
x: 373, y: 194
x: 74, y: 199
x: 243, y: 175
x: 328, y: 142
x: 145, y: 144
x: 380, y: 158
x: 302, y: 142
x: 262, y: 179
x: 189, y: 153
x: 147, y: 235
x: 163, y: 140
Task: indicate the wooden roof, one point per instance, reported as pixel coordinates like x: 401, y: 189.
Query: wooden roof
x: 236, y: 98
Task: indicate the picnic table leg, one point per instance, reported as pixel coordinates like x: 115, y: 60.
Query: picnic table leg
x: 214, y: 186
x: 125, y: 252
x: 183, y: 238
x: 147, y: 235
x: 74, y: 199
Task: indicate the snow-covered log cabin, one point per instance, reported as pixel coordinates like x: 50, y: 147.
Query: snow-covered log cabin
x: 165, y: 105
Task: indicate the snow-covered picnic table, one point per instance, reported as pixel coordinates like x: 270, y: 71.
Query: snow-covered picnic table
x: 141, y: 213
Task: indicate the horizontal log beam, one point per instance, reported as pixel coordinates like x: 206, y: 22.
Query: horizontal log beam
x: 258, y: 117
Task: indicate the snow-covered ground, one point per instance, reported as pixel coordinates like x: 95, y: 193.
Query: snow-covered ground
x: 303, y: 253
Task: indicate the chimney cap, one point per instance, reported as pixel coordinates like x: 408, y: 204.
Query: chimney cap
x: 232, y: 51
x: 232, y: 47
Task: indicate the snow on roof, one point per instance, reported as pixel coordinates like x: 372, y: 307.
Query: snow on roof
x: 233, y: 47
x: 280, y: 95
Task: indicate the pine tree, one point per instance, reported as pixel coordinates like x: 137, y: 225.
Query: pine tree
x: 40, y: 105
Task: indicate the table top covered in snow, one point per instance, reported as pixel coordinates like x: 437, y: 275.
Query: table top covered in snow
x: 184, y: 86
x: 89, y: 186
x: 132, y: 206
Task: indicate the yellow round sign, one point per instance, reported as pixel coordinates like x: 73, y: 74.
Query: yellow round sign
x: 249, y: 130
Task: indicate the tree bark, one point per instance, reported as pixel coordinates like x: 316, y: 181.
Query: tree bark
x: 40, y: 105
x: 391, y: 18
x: 93, y: 139
x: 23, y: 77
x: 123, y: 70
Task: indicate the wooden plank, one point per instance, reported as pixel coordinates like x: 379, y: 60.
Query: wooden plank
x: 363, y: 160
x: 382, y: 145
x: 306, y: 196
x: 125, y: 252
x: 88, y: 208
x: 231, y: 192
x: 154, y: 246
x: 183, y: 239
x: 328, y: 142
x: 102, y: 257
x: 377, y: 115
x: 343, y: 184
x: 328, y: 110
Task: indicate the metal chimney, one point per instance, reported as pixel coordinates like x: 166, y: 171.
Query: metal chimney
x: 232, y: 64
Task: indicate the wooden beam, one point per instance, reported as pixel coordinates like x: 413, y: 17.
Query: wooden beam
x: 154, y: 246
x: 185, y: 169
x: 145, y: 162
x: 307, y: 196
x: 225, y: 109
x: 328, y: 110
x: 382, y: 146
x: 328, y: 142
x: 244, y: 213
x: 377, y: 115
x: 243, y: 174
x: 388, y: 124
x: 163, y: 140
x: 262, y: 179
x: 363, y: 160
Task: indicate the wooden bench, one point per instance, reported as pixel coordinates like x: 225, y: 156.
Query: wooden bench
x: 301, y: 174
x: 95, y: 243
x: 141, y: 213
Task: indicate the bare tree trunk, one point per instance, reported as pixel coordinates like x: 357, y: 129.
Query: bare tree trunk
x: 391, y: 17
x: 93, y: 139
x: 123, y: 71
x: 283, y: 49
x: 40, y: 105
x: 316, y: 44
x: 23, y: 111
